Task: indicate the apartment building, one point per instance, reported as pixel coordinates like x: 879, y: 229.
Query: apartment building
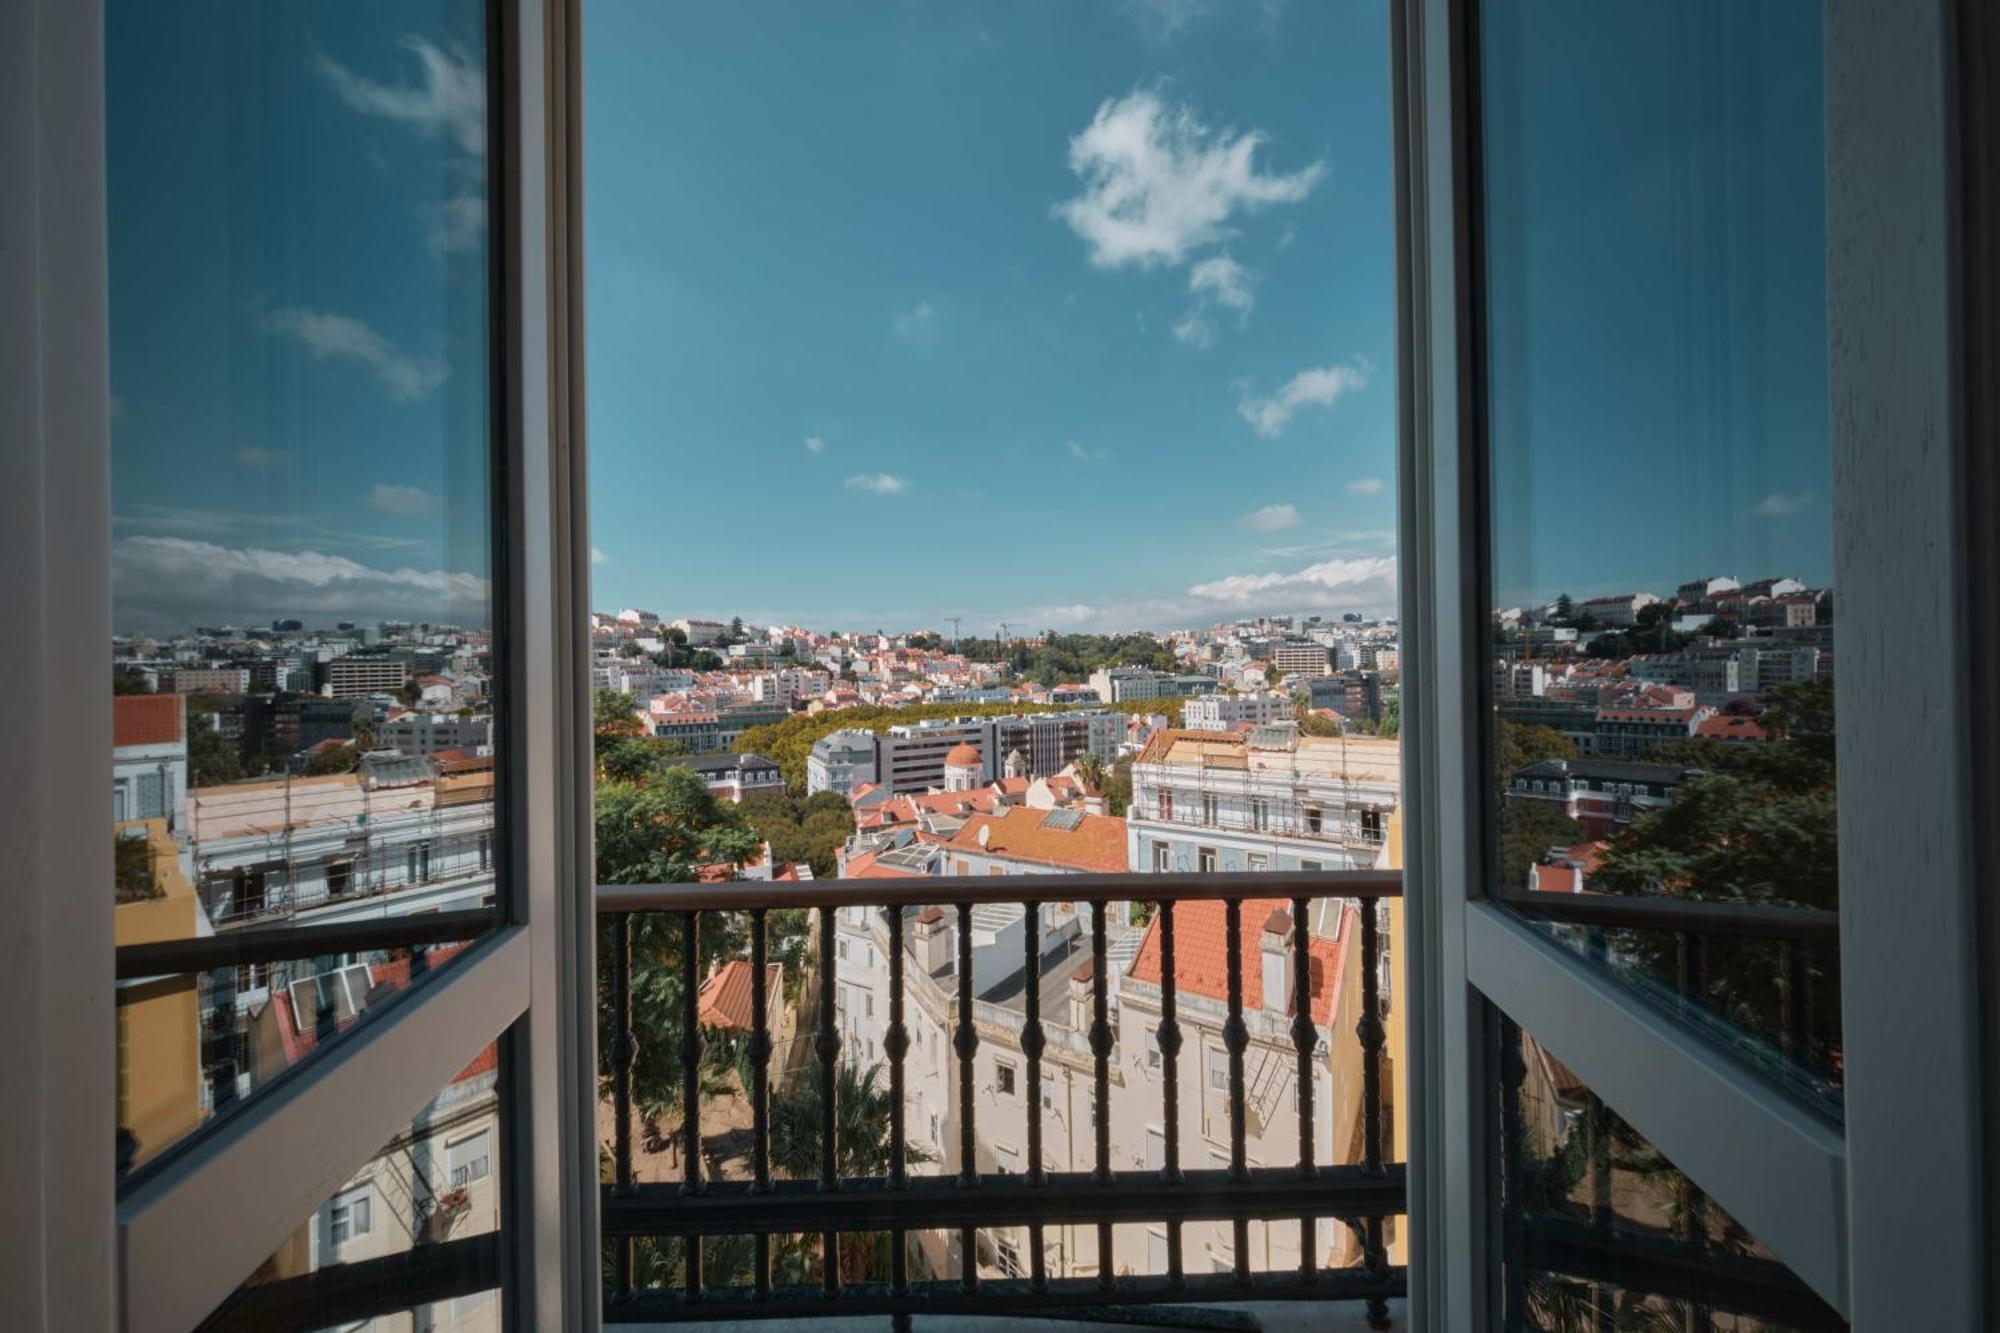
x: 1601, y: 794
x: 1270, y: 1069
x: 910, y: 757
x: 148, y: 757
x: 353, y: 676
x: 735, y: 776
x: 1301, y: 658
x: 403, y: 828
x: 210, y: 680
x: 1119, y: 684
x: 429, y: 733
x: 1220, y: 712
x: 1267, y: 800
x: 1625, y: 733
x: 840, y: 761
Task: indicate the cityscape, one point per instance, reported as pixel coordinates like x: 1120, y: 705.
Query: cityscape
x: 305, y: 774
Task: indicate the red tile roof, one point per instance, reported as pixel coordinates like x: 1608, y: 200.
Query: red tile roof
x: 1201, y: 954
x: 724, y: 1000
x: 1096, y: 844
x: 145, y: 719
x: 865, y: 867
x: 1732, y: 727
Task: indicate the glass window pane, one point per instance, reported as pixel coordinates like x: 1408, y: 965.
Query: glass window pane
x: 1662, y: 640
x: 302, y: 669
x: 1599, y: 1230
x: 410, y: 1240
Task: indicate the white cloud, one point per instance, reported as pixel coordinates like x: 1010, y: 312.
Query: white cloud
x: 1309, y: 388
x: 1365, y: 486
x: 260, y: 458
x: 387, y: 497
x: 1272, y: 518
x: 1780, y: 505
x: 459, y: 223
x: 815, y: 445
x: 1083, y: 455
x: 879, y: 483
x: 1224, y: 281
x: 1164, y: 19
x: 175, y: 581
x: 448, y: 99
x: 918, y: 324
x: 1366, y: 541
x: 597, y: 556
x: 1369, y: 579
x: 332, y: 337
x: 1215, y: 281
x: 1158, y: 183
x: 1195, y: 330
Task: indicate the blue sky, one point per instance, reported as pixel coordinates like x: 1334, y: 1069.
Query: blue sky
x: 298, y: 311
x: 1079, y: 316
x: 1657, y: 308
x: 1072, y: 315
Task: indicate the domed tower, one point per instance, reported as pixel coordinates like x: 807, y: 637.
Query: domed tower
x: 963, y: 768
x: 1016, y: 765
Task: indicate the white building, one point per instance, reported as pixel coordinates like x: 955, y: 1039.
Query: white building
x: 1220, y: 712
x: 148, y: 757
x: 1269, y: 800
x: 840, y: 761
x: 428, y: 733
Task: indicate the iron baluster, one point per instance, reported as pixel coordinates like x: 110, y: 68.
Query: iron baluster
x: 760, y: 1090
x: 1100, y: 1049
x: 966, y: 1042
x: 1369, y: 1030
x: 1170, y: 1048
x: 691, y: 1052
x: 828, y: 1047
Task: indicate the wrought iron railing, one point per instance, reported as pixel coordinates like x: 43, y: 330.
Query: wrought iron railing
x: 1798, y: 1051
x: 1362, y: 1194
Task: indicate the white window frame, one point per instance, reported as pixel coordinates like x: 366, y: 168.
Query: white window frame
x: 1853, y: 1212
x: 189, y: 1231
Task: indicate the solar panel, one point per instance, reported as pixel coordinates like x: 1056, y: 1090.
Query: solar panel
x: 1063, y: 820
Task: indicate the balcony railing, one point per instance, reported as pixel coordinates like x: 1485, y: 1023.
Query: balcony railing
x: 1361, y: 1194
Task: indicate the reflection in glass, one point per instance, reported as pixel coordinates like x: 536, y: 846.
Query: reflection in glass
x: 1662, y: 641
x: 409, y: 1241
x: 1600, y: 1231
x: 302, y: 680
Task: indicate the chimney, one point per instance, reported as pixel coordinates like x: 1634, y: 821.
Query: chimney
x: 1277, y: 961
x: 1080, y: 995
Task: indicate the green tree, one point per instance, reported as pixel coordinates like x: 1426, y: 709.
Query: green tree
x: 1310, y: 723
x: 213, y: 759
x: 1565, y: 609
x: 1391, y: 724
x: 636, y: 758
x: 130, y: 682
x: 1118, y: 787
x: 1527, y: 829
x: 334, y: 759
x: 662, y: 831
x: 613, y: 713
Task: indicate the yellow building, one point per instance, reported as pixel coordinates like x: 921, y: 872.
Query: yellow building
x: 159, y: 1018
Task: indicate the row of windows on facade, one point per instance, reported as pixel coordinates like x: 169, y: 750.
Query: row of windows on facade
x: 249, y: 890
x: 1312, y: 817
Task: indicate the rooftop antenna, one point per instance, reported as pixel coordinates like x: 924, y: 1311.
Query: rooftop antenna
x: 954, y: 630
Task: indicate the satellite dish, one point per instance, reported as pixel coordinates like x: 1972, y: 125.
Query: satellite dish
x: 985, y: 834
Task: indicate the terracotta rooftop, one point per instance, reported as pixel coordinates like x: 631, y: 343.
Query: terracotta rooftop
x: 1096, y: 843
x: 145, y: 719
x: 1201, y: 954
x: 724, y: 1000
